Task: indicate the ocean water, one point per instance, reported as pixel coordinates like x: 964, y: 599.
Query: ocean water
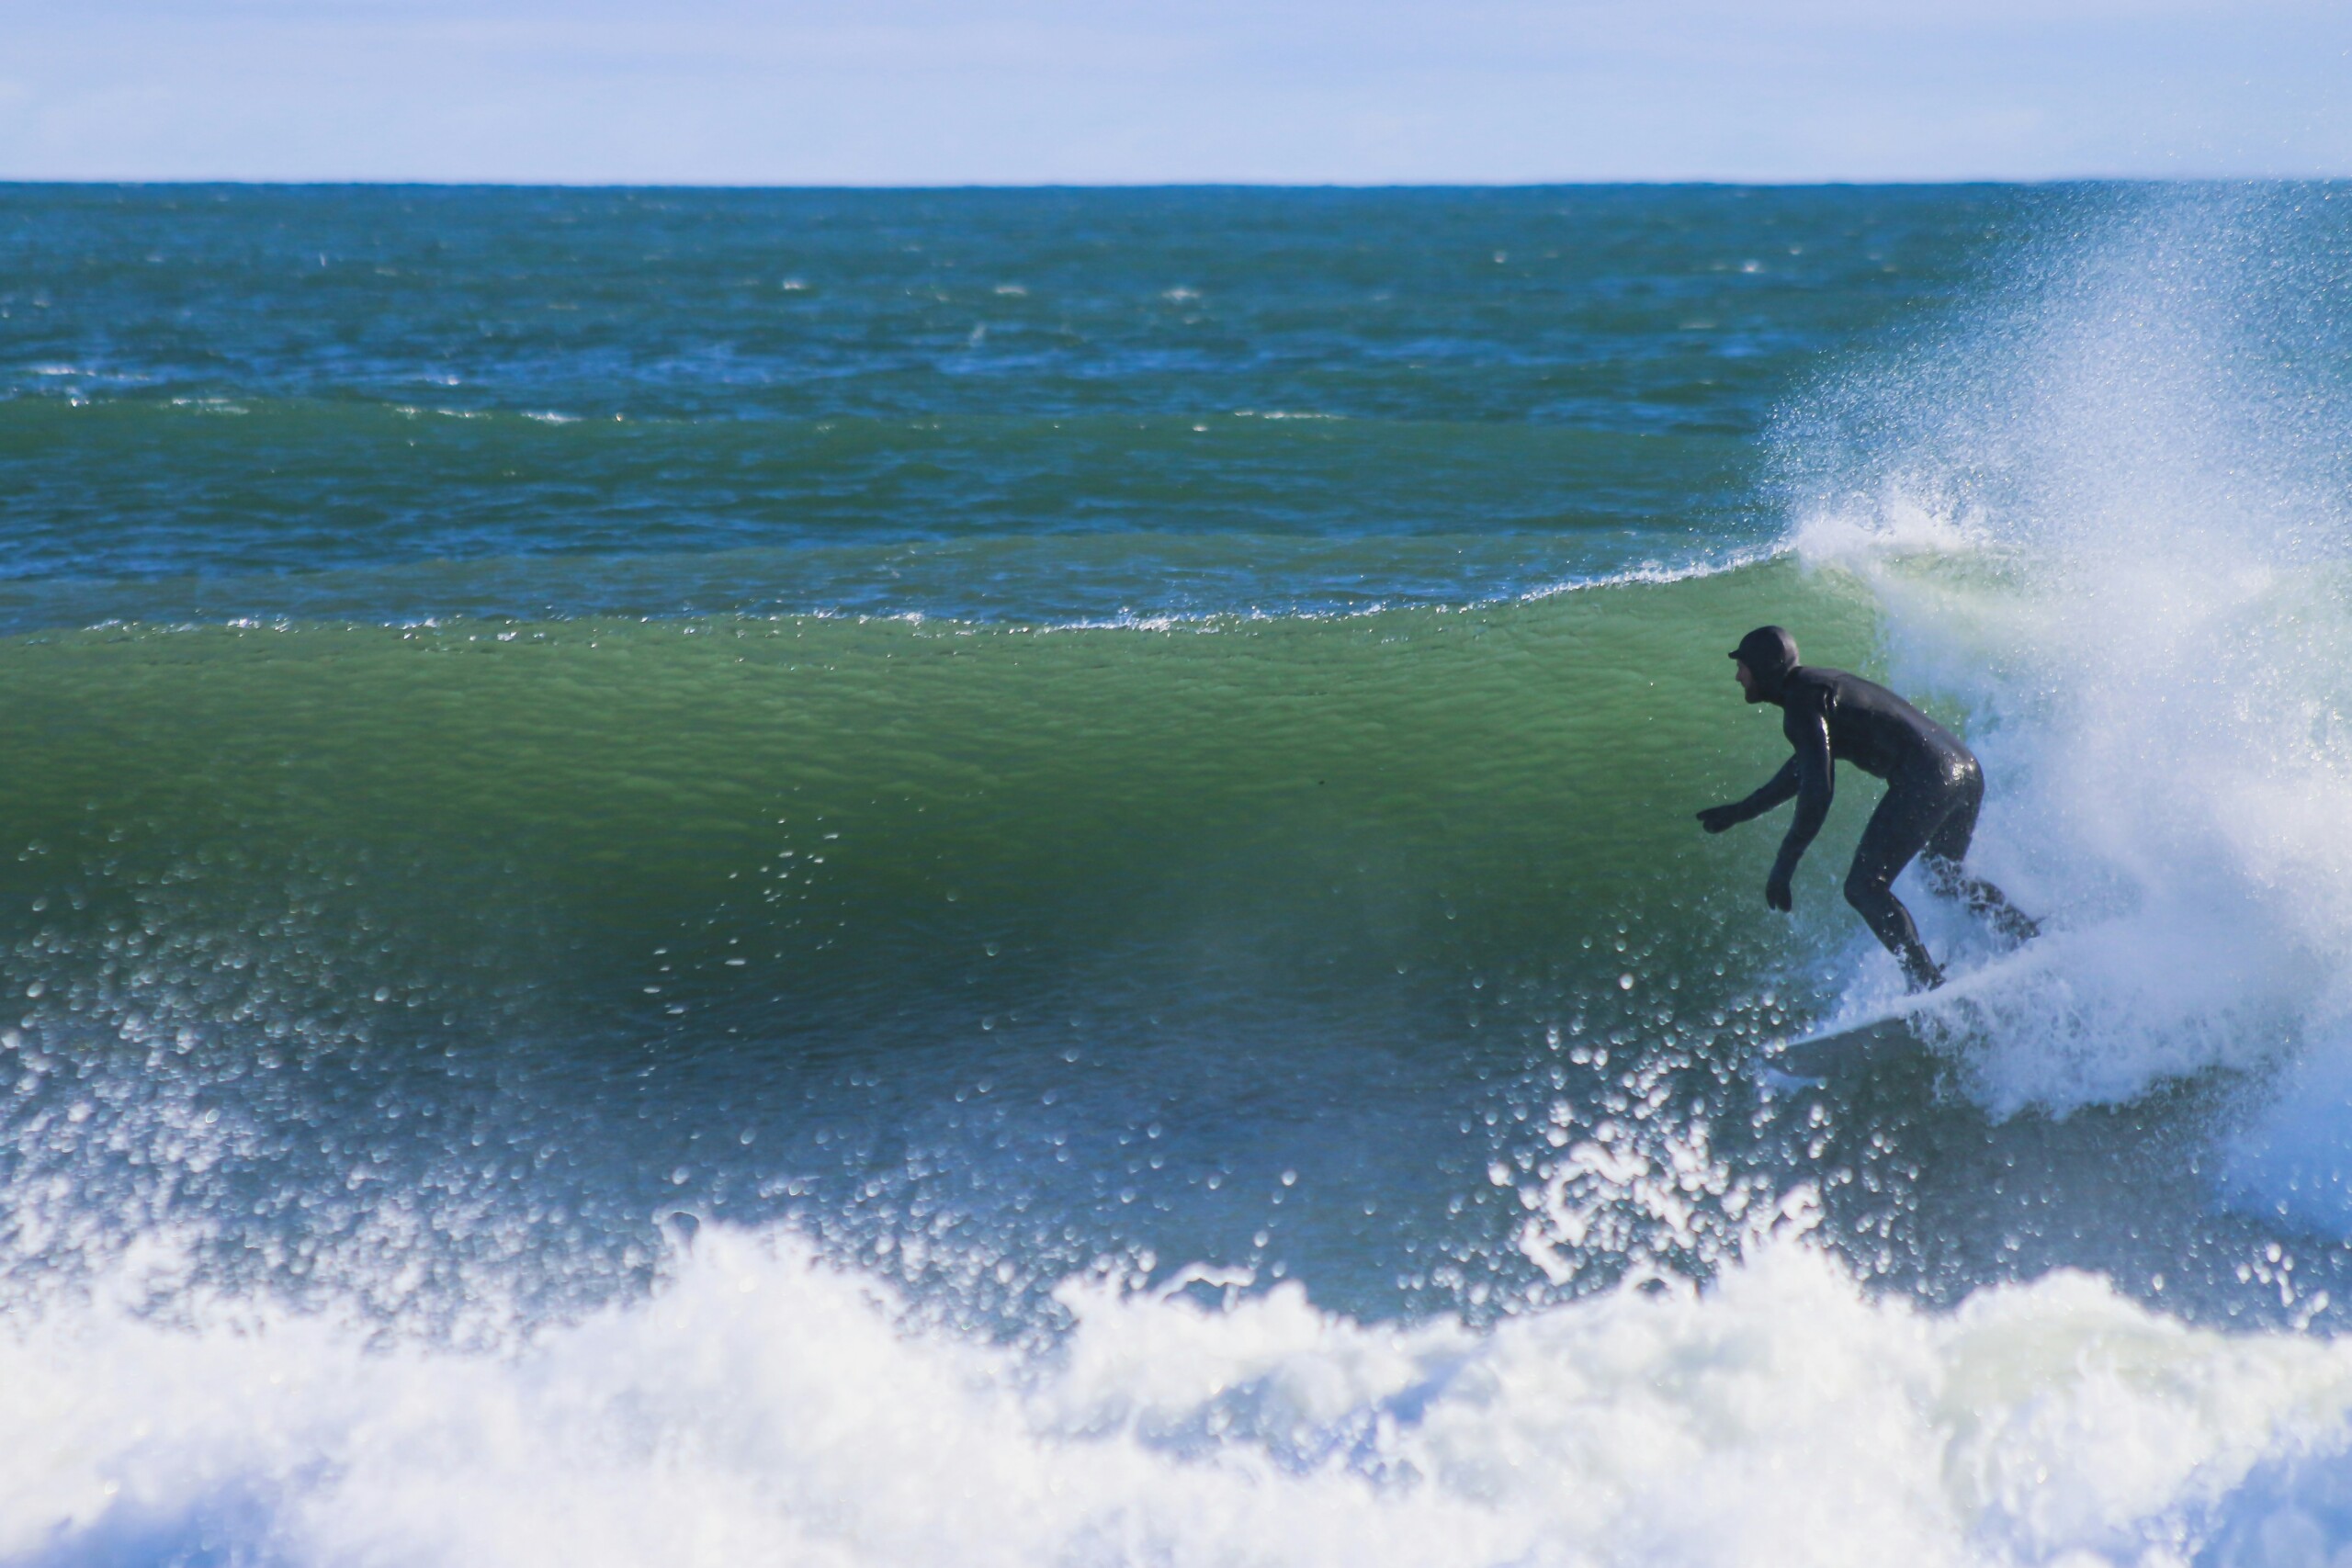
x: 1007, y: 878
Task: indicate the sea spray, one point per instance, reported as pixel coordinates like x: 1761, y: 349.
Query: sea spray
x: 2095, y: 519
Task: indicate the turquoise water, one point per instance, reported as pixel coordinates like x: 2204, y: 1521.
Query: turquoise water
x: 704, y: 856
x: 404, y: 404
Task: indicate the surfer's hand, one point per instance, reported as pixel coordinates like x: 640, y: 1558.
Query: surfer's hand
x: 1715, y: 818
x: 1776, y: 892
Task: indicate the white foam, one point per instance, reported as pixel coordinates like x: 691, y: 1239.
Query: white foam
x: 762, y: 1406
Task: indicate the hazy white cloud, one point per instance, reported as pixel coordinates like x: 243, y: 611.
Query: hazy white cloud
x: 923, y: 91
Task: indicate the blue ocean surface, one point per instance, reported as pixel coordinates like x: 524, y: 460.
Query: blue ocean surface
x: 1007, y: 876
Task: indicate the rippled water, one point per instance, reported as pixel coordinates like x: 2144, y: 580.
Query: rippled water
x: 1007, y: 876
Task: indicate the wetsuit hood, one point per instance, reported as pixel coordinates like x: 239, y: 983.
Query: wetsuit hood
x: 1770, y: 654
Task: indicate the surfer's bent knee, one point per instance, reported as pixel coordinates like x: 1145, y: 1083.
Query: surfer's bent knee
x: 1865, y: 890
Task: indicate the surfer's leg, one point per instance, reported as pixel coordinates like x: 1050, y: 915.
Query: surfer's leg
x: 1897, y: 829
x: 1983, y: 899
x: 1946, y: 847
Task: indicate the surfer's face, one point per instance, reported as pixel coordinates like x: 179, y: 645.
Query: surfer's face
x: 1747, y: 681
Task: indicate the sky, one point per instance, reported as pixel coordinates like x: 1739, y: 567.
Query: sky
x: 1021, y: 92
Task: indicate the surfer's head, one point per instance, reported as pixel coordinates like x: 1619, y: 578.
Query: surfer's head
x: 1762, y: 660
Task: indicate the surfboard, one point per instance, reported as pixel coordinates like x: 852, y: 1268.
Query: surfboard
x: 1840, y: 1053
x: 1893, y: 1034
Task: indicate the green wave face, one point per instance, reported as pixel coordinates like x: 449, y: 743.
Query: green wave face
x: 1393, y: 787
x: 1304, y: 868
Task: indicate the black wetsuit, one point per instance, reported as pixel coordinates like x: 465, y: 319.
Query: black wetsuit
x: 1934, y: 789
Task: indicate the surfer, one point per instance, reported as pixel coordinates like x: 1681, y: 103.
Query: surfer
x: 1933, y: 789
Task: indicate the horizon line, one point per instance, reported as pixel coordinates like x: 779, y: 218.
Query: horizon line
x: 1692, y: 183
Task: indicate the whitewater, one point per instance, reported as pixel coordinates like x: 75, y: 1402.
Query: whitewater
x: 766, y: 1403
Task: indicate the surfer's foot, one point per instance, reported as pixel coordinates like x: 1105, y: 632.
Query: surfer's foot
x: 2017, y: 926
x: 1921, y: 972
x: 1984, y: 899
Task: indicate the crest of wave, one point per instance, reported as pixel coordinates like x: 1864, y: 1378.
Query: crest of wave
x: 2108, y: 521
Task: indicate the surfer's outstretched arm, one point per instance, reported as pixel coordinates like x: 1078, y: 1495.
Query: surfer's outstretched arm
x: 1780, y: 786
